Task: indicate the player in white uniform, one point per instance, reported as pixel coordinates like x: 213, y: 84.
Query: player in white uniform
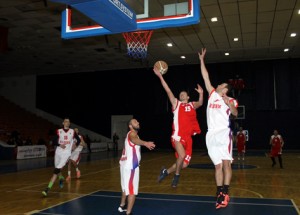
x: 65, y: 140
x: 75, y: 156
x: 129, y: 166
x: 219, y: 137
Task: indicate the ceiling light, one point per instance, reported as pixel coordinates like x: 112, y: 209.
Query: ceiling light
x: 214, y: 19
x: 293, y: 34
x: 286, y: 50
x: 169, y: 44
x: 226, y: 53
x: 235, y: 39
x: 298, y: 11
x: 182, y: 57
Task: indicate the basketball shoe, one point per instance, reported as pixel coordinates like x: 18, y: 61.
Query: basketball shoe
x: 45, y: 192
x: 163, y: 173
x: 222, y: 200
x: 68, y: 179
x: 122, y: 209
x: 175, y: 180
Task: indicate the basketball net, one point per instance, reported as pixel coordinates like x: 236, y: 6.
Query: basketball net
x: 137, y: 43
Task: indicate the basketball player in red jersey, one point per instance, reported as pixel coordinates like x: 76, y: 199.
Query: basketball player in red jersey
x: 276, y: 142
x: 185, y: 125
x: 241, y: 143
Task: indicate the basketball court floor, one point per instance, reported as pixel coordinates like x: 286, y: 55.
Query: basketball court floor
x: 256, y: 187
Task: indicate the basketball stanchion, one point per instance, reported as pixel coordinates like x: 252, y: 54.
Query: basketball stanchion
x: 137, y: 43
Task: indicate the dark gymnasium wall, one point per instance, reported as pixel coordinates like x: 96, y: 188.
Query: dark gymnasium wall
x: 271, y: 98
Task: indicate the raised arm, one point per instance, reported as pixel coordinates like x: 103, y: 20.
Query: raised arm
x: 171, y: 96
x: 136, y: 140
x: 204, y: 71
x: 199, y: 103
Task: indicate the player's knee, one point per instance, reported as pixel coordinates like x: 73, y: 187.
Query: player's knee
x: 185, y: 165
x: 56, y: 171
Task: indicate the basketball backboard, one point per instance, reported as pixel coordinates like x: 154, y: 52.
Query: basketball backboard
x: 241, y: 112
x: 86, y: 18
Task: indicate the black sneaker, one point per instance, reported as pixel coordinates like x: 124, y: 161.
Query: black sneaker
x: 163, y: 173
x: 122, y: 209
x: 175, y: 180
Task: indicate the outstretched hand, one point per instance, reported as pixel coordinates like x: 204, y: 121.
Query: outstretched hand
x: 157, y: 71
x: 202, y: 54
x: 199, y: 89
x: 150, y: 145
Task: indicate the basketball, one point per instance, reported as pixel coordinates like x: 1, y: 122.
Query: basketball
x: 162, y: 65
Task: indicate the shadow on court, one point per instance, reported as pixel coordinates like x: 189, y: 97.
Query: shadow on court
x: 106, y: 203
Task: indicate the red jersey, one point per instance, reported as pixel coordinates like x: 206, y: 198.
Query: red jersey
x: 185, y: 121
x: 185, y: 125
x: 276, y: 145
x: 240, y: 137
x: 240, y: 141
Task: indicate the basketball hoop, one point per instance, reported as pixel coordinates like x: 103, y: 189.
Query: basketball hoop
x: 137, y: 43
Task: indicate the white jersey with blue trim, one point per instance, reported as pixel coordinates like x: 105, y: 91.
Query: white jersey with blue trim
x: 131, y: 155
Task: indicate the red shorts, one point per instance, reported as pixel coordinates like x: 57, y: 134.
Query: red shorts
x: 187, y: 143
x: 275, y: 152
x: 241, y: 147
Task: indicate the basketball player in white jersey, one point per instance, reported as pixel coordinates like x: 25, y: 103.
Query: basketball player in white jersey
x: 75, y: 156
x: 64, y: 142
x: 219, y: 136
x: 129, y: 166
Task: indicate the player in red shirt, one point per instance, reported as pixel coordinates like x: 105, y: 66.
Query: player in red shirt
x: 241, y: 143
x: 185, y: 125
x: 276, y: 142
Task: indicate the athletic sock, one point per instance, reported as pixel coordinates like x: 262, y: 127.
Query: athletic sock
x: 50, y: 184
x: 226, y: 189
x: 219, y: 189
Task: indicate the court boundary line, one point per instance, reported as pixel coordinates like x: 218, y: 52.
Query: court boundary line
x: 183, y: 200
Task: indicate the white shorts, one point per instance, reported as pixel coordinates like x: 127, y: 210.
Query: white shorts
x: 75, y: 156
x: 219, y: 145
x: 130, y: 180
x: 61, y: 157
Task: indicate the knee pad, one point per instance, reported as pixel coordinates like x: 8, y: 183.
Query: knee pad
x: 56, y: 171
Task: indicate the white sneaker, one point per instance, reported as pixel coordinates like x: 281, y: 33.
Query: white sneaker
x: 122, y: 208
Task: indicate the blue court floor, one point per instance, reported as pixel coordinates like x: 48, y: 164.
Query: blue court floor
x: 106, y: 203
